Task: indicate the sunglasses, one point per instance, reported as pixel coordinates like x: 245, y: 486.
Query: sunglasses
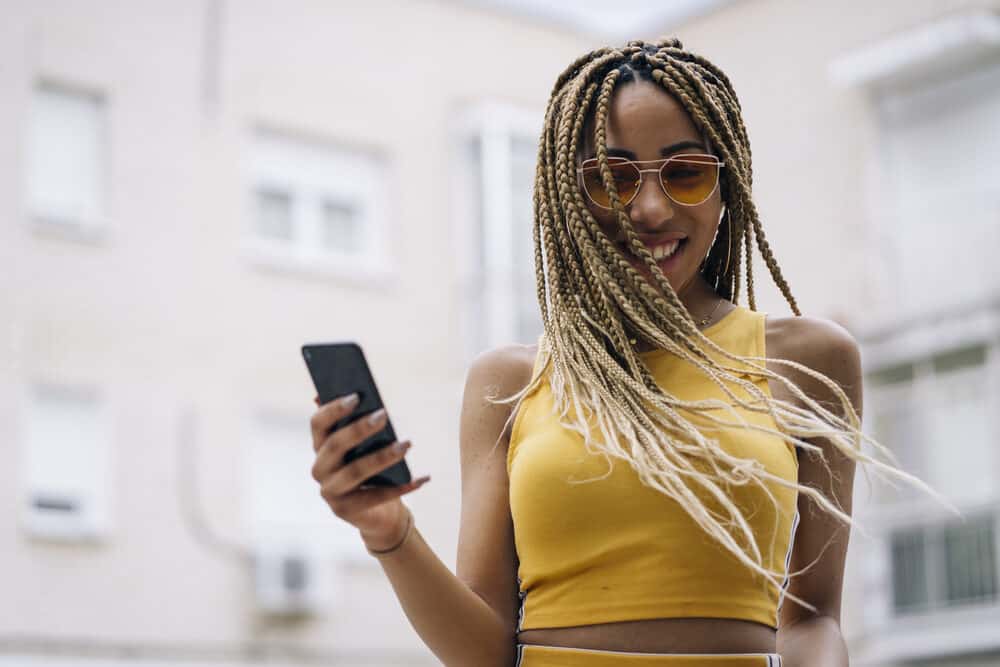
x: 687, y: 179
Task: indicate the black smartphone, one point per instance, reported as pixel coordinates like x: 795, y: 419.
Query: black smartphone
x: 338, y: 369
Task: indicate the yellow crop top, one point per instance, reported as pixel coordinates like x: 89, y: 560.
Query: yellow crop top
x: 614, y: 549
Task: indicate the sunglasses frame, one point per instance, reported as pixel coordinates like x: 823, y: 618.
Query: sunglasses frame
x: 663, y: 163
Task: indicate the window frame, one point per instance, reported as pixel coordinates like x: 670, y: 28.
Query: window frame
x: 493, y: 126
x: 95, y: 226
x: 366, y: 190
x: 94, y: 522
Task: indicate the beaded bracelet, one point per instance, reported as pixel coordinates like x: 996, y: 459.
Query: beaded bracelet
x: 409, y: 527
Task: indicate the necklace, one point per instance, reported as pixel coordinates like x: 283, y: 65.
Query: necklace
x: 710, y: 315
x: 701, y: 323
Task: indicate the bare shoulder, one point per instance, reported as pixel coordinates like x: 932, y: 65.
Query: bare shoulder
x: 503, y: 370
x: 808, y: 339
x: 820, y: 344
x: 509, y: 361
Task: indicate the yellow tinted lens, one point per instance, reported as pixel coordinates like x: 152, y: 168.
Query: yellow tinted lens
x: 626, y: 180
x: 690, y: 179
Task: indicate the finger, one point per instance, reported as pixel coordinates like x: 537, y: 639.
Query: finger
x: 316, y: 400
x: 330, y: 457
x: 352, y: 435
x: 328, y: 415
x: 342, y: 479
x: 358, y: 502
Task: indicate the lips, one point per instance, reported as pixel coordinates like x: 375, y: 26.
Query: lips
x: 666, y: 238
x: 671, y: 261
x: 664, y: 250
x: 666, y: 264
x: 652, y: 246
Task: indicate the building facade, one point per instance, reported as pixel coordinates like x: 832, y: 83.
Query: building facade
x: 192, y: 190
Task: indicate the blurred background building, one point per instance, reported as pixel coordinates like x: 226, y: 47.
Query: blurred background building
x: 191, y: 190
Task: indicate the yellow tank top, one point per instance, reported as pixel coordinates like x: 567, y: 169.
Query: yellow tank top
x: 616, y: 550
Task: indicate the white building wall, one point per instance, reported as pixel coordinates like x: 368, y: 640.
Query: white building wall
x: 189, y: 341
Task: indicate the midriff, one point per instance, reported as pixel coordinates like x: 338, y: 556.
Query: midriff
x: 661, y: 635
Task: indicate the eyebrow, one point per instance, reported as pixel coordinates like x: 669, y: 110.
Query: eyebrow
x: 673, y: 148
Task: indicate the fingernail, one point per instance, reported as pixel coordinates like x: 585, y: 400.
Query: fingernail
x: 401, y: 447
x: 375, y: 416
x: 350, y: 400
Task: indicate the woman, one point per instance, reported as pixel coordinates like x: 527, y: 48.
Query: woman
x: 669, y: 479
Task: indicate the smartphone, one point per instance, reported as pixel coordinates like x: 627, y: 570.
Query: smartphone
x: 338, y: 369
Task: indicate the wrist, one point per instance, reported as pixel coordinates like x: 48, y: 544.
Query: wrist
x: 378, y: 544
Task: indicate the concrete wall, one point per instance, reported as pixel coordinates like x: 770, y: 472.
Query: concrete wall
x: 169, y: 317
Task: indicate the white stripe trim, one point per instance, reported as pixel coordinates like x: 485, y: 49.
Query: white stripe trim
x: 769, y: 656
x: 788, y: 559
x: 520, y: 610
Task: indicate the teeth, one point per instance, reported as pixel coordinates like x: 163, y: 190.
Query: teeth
x: 665, y: 250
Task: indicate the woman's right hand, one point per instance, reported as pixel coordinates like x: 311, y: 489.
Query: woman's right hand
x: 377, y: 512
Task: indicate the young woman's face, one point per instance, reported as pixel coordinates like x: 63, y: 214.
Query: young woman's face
x: 647, y: 123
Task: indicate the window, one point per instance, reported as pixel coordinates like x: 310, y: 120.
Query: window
x: 909, y: 570
x: 940, y: 197
x: 317, y: 207
x: 935, y: 414
x: 284, y: 508
x: 274, y: 214
x: 970, y: 560
x: 66, y: 459
x: 340, y: 229
x: 960, y: 451
x: 945, y: 565
x: 498, y: 155
x: 66, y: 165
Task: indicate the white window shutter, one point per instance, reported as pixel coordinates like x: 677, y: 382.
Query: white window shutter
x: 66, y: 158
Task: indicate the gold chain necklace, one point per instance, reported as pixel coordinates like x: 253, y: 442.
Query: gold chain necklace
x: 711, y: 315
x: 701, y: 323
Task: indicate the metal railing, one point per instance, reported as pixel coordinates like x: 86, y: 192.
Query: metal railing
x: 945, y: 564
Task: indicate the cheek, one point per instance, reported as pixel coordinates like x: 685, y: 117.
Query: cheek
x: 605, y: 220
x: 708, y: 228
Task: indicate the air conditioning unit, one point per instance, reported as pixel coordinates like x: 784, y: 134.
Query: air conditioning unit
x: 286, y: 582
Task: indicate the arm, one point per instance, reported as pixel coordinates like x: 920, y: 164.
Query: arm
x: 468, y: 619
x: 804, y: 638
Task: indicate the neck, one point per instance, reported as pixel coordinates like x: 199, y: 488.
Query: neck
x: 700, y: 300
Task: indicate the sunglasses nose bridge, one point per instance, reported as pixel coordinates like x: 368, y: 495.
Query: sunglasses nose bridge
x: 660, y: 186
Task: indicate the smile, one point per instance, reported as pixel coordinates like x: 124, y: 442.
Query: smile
x: 665, y: 249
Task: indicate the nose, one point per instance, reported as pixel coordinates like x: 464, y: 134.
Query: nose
x: 651, y: 208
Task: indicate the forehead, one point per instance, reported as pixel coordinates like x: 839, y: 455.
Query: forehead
x: 642, y: 113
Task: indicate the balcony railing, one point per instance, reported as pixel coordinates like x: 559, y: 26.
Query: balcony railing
x: 945, y: 564
x: 926, y: 587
